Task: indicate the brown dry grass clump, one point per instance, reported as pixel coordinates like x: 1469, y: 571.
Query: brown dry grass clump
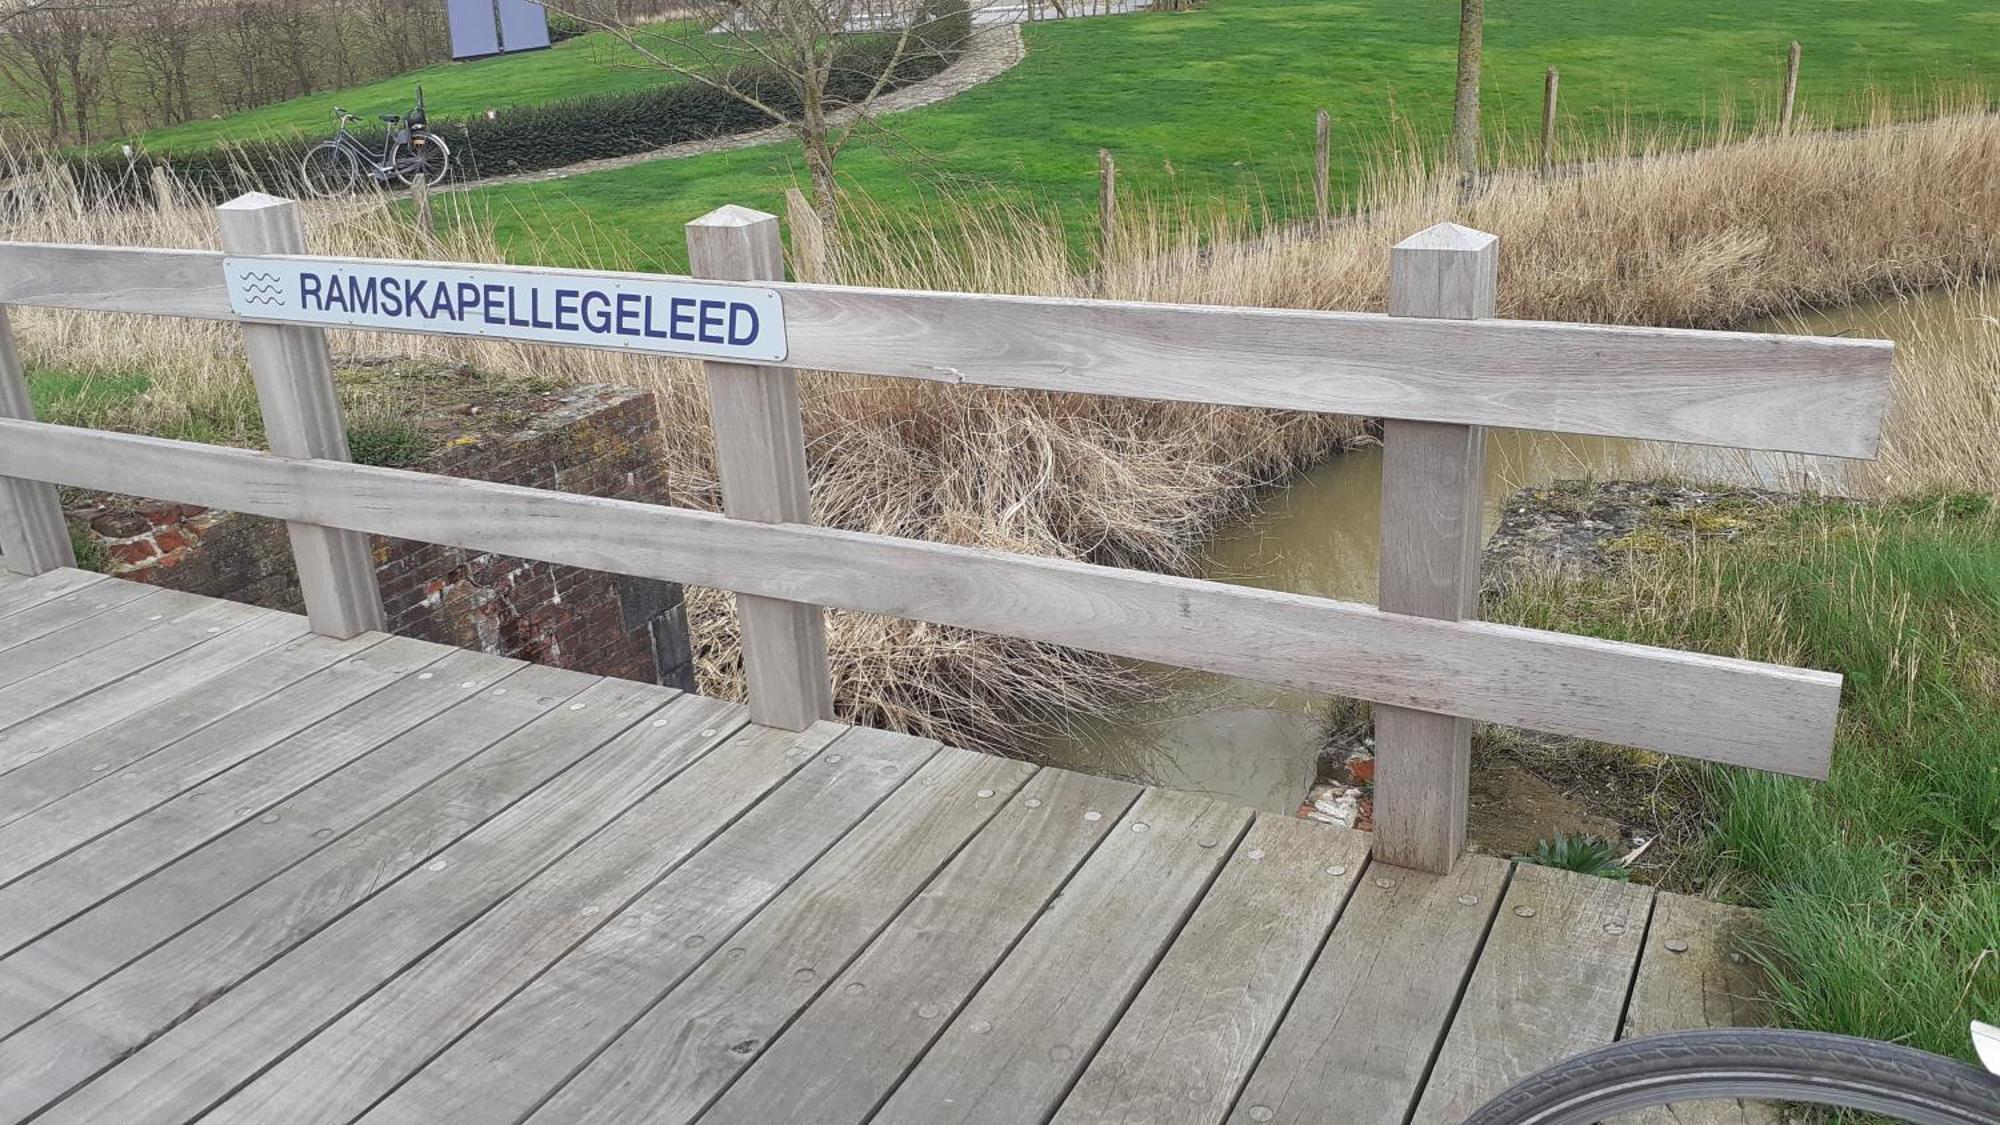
x: 1707, y: 239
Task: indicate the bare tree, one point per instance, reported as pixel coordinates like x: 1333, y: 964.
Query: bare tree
x: 813, y: 49
x: 165, y: 34
x: 1465, y: 108
x: 57, y: 51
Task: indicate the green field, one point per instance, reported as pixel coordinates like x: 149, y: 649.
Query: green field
x: 590, y: 64
x: 1219, y: 103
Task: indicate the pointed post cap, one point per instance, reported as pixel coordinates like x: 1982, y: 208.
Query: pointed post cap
x: 1447, y: 270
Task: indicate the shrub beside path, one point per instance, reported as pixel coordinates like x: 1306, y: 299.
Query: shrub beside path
x: 991, y: 52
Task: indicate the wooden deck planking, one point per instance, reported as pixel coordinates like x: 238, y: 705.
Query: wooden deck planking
x: 476, y: 903
x: 351, y: 1064
x: 520, y: 1053
x: 1551, y: 982
x: 184, y: 671
x: 40, y: 618
x: 849, y: 1050
x: 54, y: 878
x: 18, y: 593
x: 186, y: 890
x: 1365, y: 1026
x: 72, y: 818
x: 674, y: 1060
x: 1017, y: 1046
x: 1187, y: 1044
x: 107, y: 751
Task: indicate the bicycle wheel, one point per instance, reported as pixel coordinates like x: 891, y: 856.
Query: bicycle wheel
x: 427, y: 154
x: 1795, y: 1066
x: 329, y: 170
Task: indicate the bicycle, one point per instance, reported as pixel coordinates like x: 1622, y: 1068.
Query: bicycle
x: 1794, y: 1066
x: 334, y: 167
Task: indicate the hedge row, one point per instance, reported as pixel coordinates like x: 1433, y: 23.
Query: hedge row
x: 561, y: 133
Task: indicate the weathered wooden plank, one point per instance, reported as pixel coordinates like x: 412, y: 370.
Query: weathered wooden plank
x: 1189, y: 1041
x: 504, y: 1067
x: 686, y: 1050
x: 124, y: 1011
x: 188, y: 670
x: 1017, y: 1046
x: 115, y: 279
x: 1373, y: 1011
x: 1696, y: 972
x: 1551, y: 982
x: 1735, y: 711
x: 198, y: 1062
x: 54, y: 614
x: 350, y: 1064
x: 852, y: 1047
x: 142, y: 732
x: 760, y: 453
x: 74, y: 817
x: 54, y: 878
x: 1433, y: 482
x: 294, y: 375
x: 98, y: 630
x: 1749, y: 390
x: 18, y: 593
x: 88, y: 671
x: 184, y: 891
x: 34, y: 539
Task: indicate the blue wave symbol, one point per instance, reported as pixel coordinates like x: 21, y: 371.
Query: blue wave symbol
x: 262, y: 288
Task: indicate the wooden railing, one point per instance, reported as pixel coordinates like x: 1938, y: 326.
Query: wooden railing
x: 1438, y: 369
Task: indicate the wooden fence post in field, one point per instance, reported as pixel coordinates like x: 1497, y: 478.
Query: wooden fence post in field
x: 1107, y: 205
x: 164, y: 195
x: 1322, y: 169
x: 33, y: 537
x: 1432, y: 474
x: 420, y: 198
x: 294, y: 375
x: 1549, y: 85
x: 1791, y: 89
x: 761, y: 452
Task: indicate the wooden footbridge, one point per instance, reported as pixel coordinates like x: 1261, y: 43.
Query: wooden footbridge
x: 260, y: 868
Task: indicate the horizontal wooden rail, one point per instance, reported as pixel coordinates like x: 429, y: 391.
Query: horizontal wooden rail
x: 1722, y: 709
x: 1801, y: 394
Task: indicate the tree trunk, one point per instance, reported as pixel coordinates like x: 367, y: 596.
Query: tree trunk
x: 1465, y: 110
x: 812, y: 129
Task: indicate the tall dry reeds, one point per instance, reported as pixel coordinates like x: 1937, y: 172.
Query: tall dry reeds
x: 1713, y: 238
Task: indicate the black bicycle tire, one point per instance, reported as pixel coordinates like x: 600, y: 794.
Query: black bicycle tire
x: 353, y: 170
x: 1813, y: 1067
x: 396, y: 160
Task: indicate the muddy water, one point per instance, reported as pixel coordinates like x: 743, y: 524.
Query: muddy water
x: 1256, y: 744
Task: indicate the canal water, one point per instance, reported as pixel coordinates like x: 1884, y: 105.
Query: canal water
x: 1319, y: 534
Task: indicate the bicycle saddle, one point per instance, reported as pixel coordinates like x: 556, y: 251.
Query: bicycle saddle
x: 392, y: 118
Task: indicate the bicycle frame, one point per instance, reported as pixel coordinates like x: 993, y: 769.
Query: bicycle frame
x: 380, y: 167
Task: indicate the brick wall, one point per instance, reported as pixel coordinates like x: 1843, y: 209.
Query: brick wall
x: 598, y: 441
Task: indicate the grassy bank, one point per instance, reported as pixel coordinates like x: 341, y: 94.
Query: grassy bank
x: 1217, y: 105
x: 1882, y: 884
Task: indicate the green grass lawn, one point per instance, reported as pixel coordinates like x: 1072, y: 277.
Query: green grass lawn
x: 1219, y: 103
x: 1881, y: 885
x: 596, y: 63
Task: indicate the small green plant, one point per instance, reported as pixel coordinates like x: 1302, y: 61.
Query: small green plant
x: 1583, y: 854
x: 387, y: 442
x: 90, y: 553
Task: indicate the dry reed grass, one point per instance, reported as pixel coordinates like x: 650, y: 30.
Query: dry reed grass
x: 1713, y: 238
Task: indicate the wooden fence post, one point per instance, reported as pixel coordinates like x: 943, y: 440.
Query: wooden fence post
x: 294, y: 376
x: 1107, y: 205
x: 33, y: 536
x: 761, y: 452
x: 420, y: 198
x: 1791, y: 89
x: 1322, y: 169
x: 1549, y: 86
x: 1432, y: 473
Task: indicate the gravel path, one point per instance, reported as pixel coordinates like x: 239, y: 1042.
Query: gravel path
x: 991, y: 52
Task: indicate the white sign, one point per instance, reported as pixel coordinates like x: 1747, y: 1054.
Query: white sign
x: 741, y: 323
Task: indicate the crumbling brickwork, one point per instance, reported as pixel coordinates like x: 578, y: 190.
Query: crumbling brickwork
x: 598, y: 441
